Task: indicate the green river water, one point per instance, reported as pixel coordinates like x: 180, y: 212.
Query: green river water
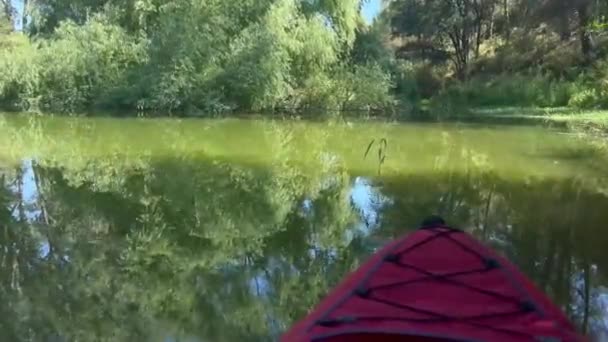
x: 229, y: 230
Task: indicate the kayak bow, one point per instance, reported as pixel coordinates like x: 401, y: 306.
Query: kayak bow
x: 435, y: 284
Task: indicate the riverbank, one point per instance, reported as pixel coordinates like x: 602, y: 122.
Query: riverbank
x: 592, y: 122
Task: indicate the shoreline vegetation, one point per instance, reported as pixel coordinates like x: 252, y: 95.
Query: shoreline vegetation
x: 591, y: 122
x: 212, y: 58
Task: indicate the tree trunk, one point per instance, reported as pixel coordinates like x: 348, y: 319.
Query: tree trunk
x: 25, y: 14
x: 460, y: 58
x: 507, y: 23
x: 548, y: 267
x: 479, y: 11
x: 492, y: 17
x: 564, y: 25
x: 486, y: 220
x: 583, y: 20
x: 586, y: 296
x: 478, y: 39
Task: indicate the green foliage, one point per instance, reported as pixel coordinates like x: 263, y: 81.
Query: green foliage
x: 20, y: 76
x: 195, y: 57
x: 83, y: 63
x: 416, y: 81
x: 211, y: 57
x: 257, y: 73
x: 456, y: 26
x: 506, y: 90
x: 6, y: 26
x: 362, y: 88
x: 591, y: 89
x: 499, y: 44
x: 372, y: 44
x: 406, y: 86
x: 365, y: 87
x: 585, y: 99
x: 525, y: 51
x: 341, y: 15
x: 77, y: 68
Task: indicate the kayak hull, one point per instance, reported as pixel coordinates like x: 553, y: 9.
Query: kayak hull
x: 435, y: 284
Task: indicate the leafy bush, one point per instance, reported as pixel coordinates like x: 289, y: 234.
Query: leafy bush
x: 538, y: 50
x: 517, y: 90
x: 591, y: 89
x: 347, y: 89
x: 406, y: 86
x: 416, y: 81
x: 584, y: 99
x: 371, y: 45
x: 264, y: 62
x: 428, y: 79
x: 19, y: 77
x: 204, y: 57
x: 368, y: 88
x: 82, y: 64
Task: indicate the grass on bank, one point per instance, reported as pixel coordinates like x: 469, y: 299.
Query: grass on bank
x: 593, y: 119
x: 588, y: 121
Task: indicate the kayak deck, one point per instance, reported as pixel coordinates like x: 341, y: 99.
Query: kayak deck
x: 436, y: 284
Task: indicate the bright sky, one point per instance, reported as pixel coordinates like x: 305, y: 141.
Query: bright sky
x: 371, y: 10
x: 18, y: 5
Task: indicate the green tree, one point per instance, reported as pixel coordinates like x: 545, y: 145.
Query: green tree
x: 6, y: 17
x: 566, y: 16
x: 458, y: 24
x: 194, y: 57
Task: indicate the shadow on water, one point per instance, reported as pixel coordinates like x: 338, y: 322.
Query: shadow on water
x: 183, y: 249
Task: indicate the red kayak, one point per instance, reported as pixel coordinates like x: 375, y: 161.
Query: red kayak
x: 436, y: 284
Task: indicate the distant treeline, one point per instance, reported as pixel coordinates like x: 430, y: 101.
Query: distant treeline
x: 201, y: 58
